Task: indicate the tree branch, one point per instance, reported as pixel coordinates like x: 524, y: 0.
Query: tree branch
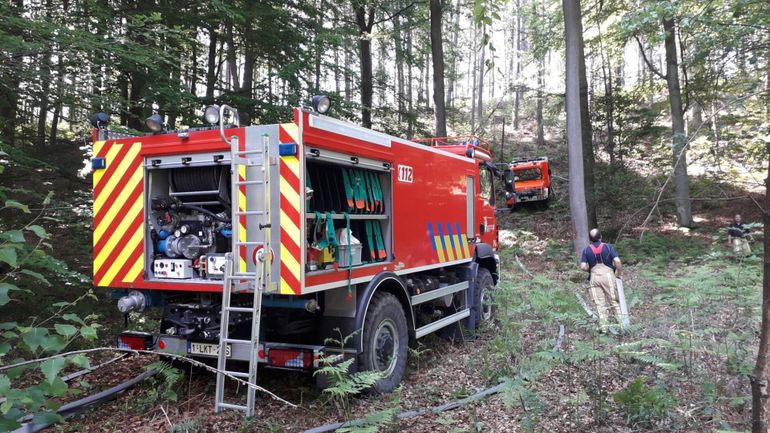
x: 397, y: 13
x: 647, y: 61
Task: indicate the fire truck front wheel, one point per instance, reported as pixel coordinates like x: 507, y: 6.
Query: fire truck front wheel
x: 385, y: 341
x: 485, y: 284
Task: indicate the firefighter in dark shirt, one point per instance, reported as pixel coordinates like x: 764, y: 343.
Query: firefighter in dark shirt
x: 602, y: 261
x: 738, y: 236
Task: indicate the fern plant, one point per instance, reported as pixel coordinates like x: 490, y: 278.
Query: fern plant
x: 344, y: 384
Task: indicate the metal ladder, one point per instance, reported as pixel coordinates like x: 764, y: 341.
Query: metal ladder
x: 235, y: 278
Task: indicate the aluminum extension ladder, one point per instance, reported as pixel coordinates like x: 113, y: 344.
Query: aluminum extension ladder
x: 238, y: 279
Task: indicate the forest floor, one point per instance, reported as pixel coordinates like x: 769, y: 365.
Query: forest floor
x: 682, y: 366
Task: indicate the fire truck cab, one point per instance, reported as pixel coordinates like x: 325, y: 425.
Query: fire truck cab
x: 260, y: 243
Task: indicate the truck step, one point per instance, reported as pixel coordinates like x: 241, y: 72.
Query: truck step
x: 240, y: 309
x: 237, y: 341
x: 248, y: 182
x: 224, y: 405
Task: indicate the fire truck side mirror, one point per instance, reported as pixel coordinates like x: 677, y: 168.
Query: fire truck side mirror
x: 508, y: 179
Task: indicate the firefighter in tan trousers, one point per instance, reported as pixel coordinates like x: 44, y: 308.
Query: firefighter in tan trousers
x: 602, y: 261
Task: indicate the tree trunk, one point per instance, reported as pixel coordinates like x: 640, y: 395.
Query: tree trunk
x: 45, y: 89
x: 410, y: 80
x: 9, y: 93
x: 678, y: 137
x: 232, y: 59
x: 480, y: 85
x: 453, y: 75
x: 211, y: 65
x: 57, y: 104
x: 399, y: 53
x: 758, y: 378
x: 577, y: 195
x: 539, y: 110
x: 585, y: 122
x: 437, y: 50
x: 365, y: 23
x: 519, y: 32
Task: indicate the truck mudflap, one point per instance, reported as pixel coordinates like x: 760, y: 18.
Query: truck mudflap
x: 276, y: 355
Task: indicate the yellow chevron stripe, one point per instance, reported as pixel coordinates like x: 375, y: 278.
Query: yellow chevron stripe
x: 290, y: 261
x: 98, y: 173
x: 115, y: 236
x: 290, y: 227
x: 115, y: 266
x: 119, y: 171
x: 439, y: 249
x: 289, y: 194
x: 461, y: 250
x: 285, y: 288
x: 464, y: 240
x: 292, y: 129
x: 449, y: 251
x: 111, y: 214
x: 293, y: 163
x: 133, y: 273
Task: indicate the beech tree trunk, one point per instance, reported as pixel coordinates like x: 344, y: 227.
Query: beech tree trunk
x: 585, y: 122
x: 437, y: 51
x: 678, y: 137
x: 577, y: 202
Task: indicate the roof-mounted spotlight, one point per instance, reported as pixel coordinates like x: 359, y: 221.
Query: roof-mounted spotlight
x: 321, y: 103
x: 211, y: 114
x: 100, y: 120
x: 154, y: 123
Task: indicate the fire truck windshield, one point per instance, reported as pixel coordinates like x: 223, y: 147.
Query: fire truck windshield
x: 528, y: 174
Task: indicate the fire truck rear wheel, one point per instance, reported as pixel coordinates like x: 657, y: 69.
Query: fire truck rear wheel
x: 385, y: 341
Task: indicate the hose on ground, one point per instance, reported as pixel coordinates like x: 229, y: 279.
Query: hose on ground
x: 74, y: 407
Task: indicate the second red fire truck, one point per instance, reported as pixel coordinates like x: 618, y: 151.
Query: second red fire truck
x: 261, y: 242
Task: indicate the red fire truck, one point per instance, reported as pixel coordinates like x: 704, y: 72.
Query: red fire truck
x: 531, y: 180
x: 261, y: 242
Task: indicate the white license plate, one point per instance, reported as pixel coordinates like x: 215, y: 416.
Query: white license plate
x: 204, y: 349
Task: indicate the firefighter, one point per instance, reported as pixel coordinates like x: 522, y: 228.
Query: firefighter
x: 602, y: 262
x: 739, y: 237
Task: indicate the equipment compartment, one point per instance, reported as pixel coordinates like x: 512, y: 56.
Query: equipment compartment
x: 189, y: 227
x: 346, y: 199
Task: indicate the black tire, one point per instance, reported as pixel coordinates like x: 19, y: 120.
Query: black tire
x: 483, y: 308
x: 385, y: 341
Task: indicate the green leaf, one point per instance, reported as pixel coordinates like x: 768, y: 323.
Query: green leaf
x: 88, y: 332
x: 54, y: 343
x: 34, y: 338
x: 47, y: 418
x: 65, y: 329
x: 80, y: 360
x: 5, y: 384
x: 39, y: 231
x: 8, y: 255
x: 4, y: 348
x: 16, y: 205
x: 5, y: 326
x: 16, y: 236
x: 6, y: 406
x: 60, y: 304
x: 70, y: 317
x: 35, y: 275
x: 57, y: 388
x: 52, y: 367
x: 4, y: 289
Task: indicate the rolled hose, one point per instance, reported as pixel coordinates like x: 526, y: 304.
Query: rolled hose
x: 435, y: 409
x: 204, y: 210
x: 74, y: 407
